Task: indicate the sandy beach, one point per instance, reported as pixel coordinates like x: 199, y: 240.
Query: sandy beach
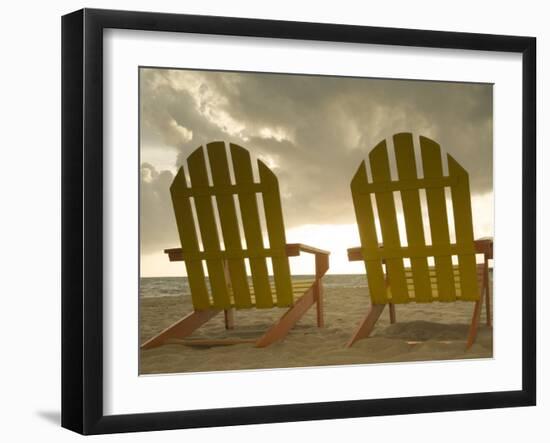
x: 433, y: 331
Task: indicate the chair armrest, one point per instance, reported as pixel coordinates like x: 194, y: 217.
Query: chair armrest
x: 174, y: 254
x: 294, y: 249
x: 355, y: 254
x: 484, y: 246
x: 321, y: 256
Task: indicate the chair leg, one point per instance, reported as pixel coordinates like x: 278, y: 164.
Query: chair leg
x: 487, y: 292
x: 280, y: 329
x: 318, y: 289
x: 488, y: 309
x: 392, y: 313
x: 475, y: 322
x: 182, y: 328
x: 229, y: 318
x: 367, y: 325
x: 228, y: 313
x: 321, y: 267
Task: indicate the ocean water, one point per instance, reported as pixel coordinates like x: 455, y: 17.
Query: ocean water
x: 176, y: 286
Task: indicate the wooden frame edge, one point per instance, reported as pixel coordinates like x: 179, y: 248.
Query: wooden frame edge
x: 72, y: 401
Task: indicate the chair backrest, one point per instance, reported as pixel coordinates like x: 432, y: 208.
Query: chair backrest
x: 229, y: 286
x: 419, y: 282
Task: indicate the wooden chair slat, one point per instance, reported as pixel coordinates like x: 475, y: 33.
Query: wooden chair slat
x: 437, y: 212
x: 188, y: 237
x: 219, y: 167
x: 462, y: 210
x: 208, y: 230
x: 385, y: 203
x: 406, y: 169
x: 299, y: 287
x: 367, y: 233
x: 276, y: 234
x: 251, y: 225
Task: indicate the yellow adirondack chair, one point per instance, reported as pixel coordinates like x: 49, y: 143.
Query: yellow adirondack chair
x: 391, y: 279
x: 229, y: 285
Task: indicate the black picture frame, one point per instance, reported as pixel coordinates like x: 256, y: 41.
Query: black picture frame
x: 82, y: 219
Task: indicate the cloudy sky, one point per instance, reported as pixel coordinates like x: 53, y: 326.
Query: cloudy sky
x: 313, y: 132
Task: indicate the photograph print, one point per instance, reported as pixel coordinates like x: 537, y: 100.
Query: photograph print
x: 291, y: 221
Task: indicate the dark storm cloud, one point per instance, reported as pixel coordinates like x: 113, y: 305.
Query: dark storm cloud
x: 158, y: 229
x: 314, y: 130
